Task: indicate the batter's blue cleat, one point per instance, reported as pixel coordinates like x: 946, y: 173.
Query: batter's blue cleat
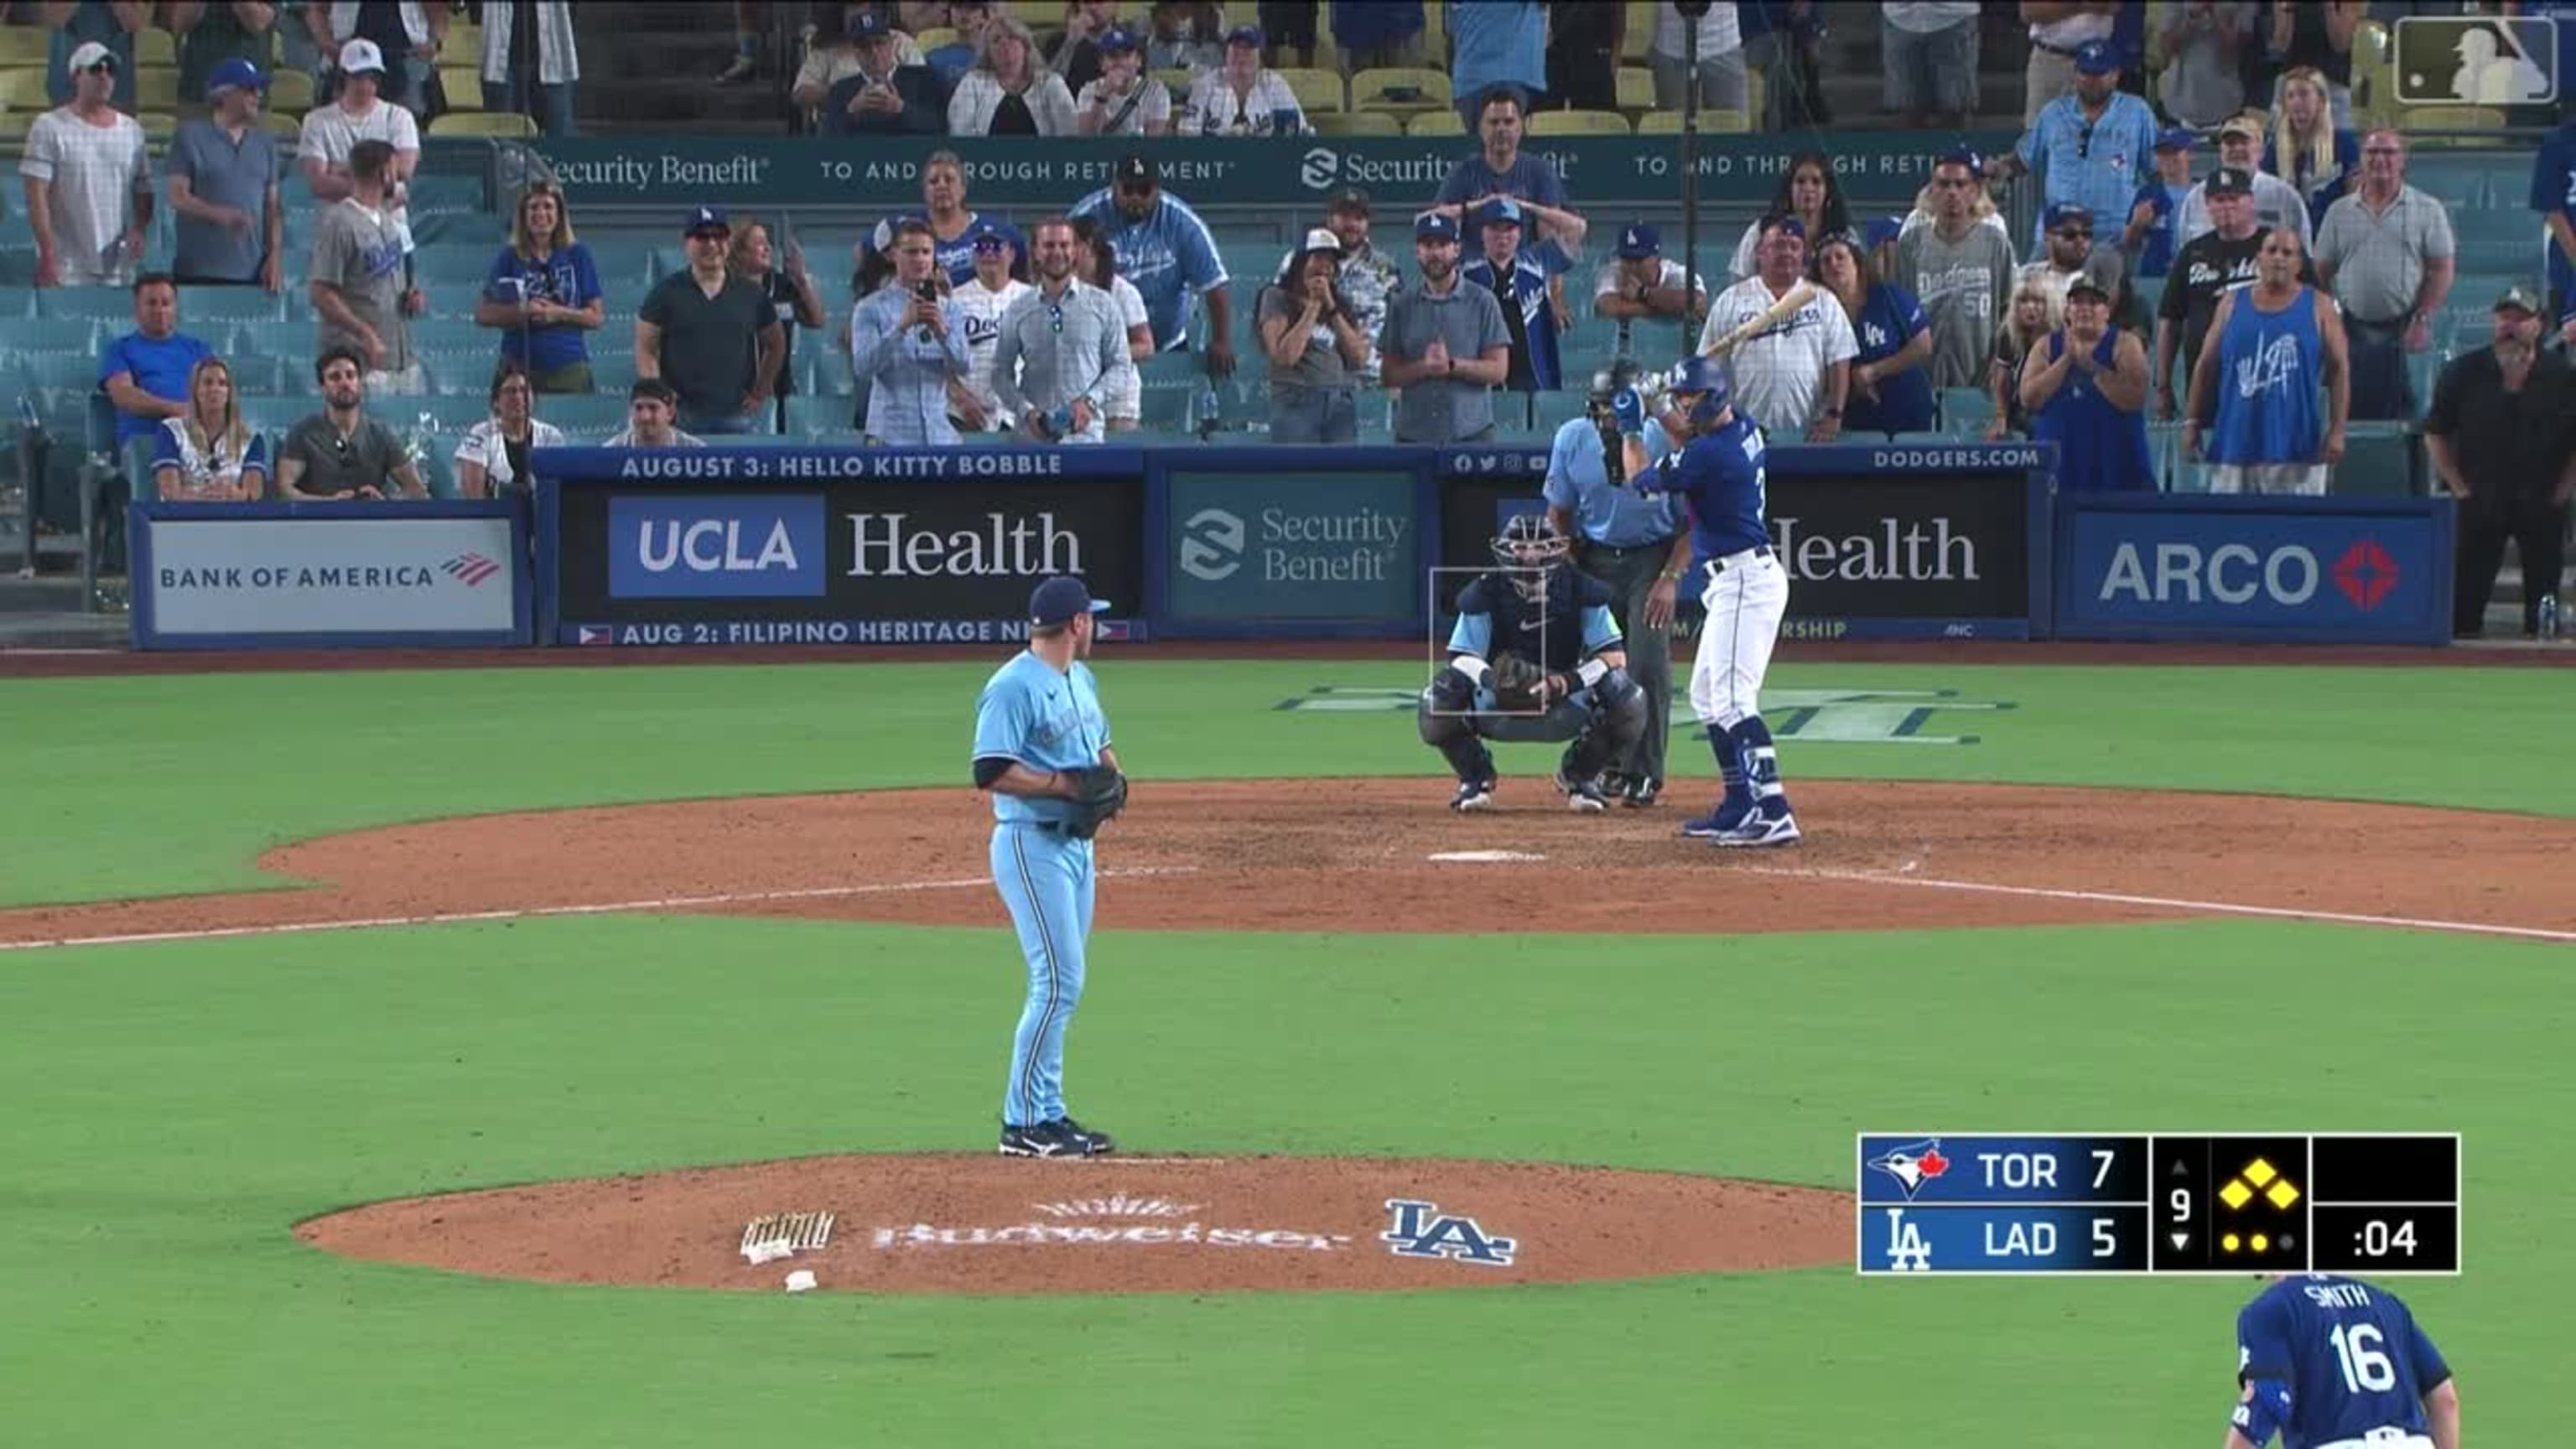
x: 1722, y: 819
x: 1583, y: 797
x: 1760, y: 829
x: 1473, y: 795
x: 1059, y: 1138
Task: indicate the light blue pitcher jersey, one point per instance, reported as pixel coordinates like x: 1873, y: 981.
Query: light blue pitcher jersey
x: 1044, y: 720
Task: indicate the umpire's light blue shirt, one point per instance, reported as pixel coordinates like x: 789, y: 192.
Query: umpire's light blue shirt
x: 1165, y: 257
x: 1044, y: 720
x: 1615, y: 515
x: 2097, y: 165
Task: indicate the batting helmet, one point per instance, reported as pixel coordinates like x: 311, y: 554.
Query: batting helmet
x: 1705, y: 379
x: 1529, y: 548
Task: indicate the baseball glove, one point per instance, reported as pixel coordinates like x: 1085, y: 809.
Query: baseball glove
x: 1099, y: 793
x: 1518, y: 683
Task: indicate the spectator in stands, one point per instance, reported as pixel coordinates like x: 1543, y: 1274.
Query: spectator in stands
x: 1878, y: 243
x: 1980, y: 205
x: 2059, y: 32
x: 908, y: 344
x: 2084, y: 388
x: 712, y: 335
x: 2270, y: 345
x: 1584, y: 39
x: 1185, y: 35
x: 2148, y: 240
x: 1642, y: 284
x: 89, y: 181
x: 147, y: 373
x: 973, y: 404
x: 1890, y: 391
x: 1795, y: 377
x: 1097, y: 266
x: 2502, y: 435
x: 332, y: 131
x: 950, y: 62
x: 2207, y: 268
x: 1242, y: 97
x: 1008, y: 93
x: 2071, y: 253
x: 1496, y: 45
x: 414, y: 34
x: 1520, y: 279
x: 1077, y: 48
x: 1290, y: 26
x: 789, y: 290
x: 2553, y: 195
x: 1808, y: 194
x: 1444, y: 347
x: 1169, y: 254
x: 222, y: 171
x: 543, y: 294
x: 1063, y: 347
x: 1781, y: 46
x: 1123, y: 100
x: 2317, y: 35
x: 2091, y: 146
x: 2203, y: 80
x: 1961, y: 270
x: 207, y: 454
x: 356, y: 281
x: 2306, y: 149
x: 1366, y: 278
x: 2276, y: 202
x: 341, y: 452
x: 1499, y: 168
x: 953, y: 228
x: 492, y: 461
x: 1315, y: 346
x: 1377, y: 33
x: 652, y: 410
x: 749, y: 18
x: 866, y: 89
x: 531, y: 62
x: 2387, y: 251
x: 78, y: 23
x: 2034, y: 314
x: 211, y: 32
x: 1928, y: 58
x: 1721, y: 74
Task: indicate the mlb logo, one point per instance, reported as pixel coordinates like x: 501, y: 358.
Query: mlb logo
x: 2477, y: 60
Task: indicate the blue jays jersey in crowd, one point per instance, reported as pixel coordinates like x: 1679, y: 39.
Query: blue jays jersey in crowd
x: 1572, y: 624
x: 1531, y: 269
x: 2351, y: 1353
x: 1165, y: 257
x: 1720, y: 475
x: 1044, y: 720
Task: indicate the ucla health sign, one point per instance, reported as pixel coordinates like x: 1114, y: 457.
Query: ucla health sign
x: 1327, y: 543
x: 2207, y: 567
x: 715, y: 546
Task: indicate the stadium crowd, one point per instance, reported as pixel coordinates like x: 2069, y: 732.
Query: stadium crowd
x: 2263, y: 305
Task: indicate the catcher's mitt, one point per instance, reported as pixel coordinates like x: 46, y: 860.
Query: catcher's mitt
x: 1517, y: 682
x: 1099, y: 793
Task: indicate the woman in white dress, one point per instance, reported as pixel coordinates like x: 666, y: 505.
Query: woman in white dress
x: 1099, y: 267
x: 208, y: 454
x: 492, y: 462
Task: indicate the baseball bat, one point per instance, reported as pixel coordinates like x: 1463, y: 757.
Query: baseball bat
x: 1778, y: 312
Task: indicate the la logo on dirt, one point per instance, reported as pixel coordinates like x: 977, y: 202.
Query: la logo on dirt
x: 1815, y: 716
x: 1421, y: 1230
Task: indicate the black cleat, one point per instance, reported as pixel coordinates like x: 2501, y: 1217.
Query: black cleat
x: 1059, y: 1138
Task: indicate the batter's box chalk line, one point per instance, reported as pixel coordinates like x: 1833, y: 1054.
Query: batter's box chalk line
x: 1484, y: 857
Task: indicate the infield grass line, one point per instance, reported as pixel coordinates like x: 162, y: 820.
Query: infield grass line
x: 2119, y: 898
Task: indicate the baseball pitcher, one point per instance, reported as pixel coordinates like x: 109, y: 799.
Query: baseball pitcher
x: 1719, y: 473
x: 2330, y: 1362
x: 1535, y: 656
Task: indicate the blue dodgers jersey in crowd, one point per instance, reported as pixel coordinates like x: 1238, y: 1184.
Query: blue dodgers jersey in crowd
x: 1044, y: 720
x: 1165, y: 257
x: 570, y: 278
x: 1720, y: 475
x: 1531, y: 269
x: 1572, y: 624
x: 2553, y: 193
x: 2351, y: 1353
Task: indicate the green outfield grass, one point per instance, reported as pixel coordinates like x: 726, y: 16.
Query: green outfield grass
x: 176, y: 1108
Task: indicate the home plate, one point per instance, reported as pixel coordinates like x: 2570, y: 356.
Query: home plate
x: 1484, y: 857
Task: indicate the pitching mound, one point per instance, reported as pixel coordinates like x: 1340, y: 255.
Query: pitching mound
x: 960, y: 1224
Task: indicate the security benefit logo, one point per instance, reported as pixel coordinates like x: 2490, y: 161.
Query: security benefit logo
x: 1421, y: 1230
x: 2477, y: 60
x: 1355, y: 545
x: 716, y: 546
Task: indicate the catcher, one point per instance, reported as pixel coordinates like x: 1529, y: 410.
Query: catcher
x: 1535, y: 657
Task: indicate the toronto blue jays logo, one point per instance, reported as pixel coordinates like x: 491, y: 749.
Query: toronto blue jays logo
x: 1421, y: 1230
x: 1913, y: 1164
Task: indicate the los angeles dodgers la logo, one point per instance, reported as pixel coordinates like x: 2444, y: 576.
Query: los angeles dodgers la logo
x: 1421, y: 1230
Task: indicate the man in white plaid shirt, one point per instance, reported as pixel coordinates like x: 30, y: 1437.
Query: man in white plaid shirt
x: 1062, y: 348
x: 89, y: 182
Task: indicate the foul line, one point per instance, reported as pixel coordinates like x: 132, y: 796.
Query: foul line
x: 2117, y: 898
x: 528, y: 913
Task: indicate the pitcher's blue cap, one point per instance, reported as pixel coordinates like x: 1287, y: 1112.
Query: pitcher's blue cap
x: 1058, y: 599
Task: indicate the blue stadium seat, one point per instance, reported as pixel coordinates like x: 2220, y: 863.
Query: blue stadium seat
x: 2377, y: 462
x: 102, y: 304
x: 2423, y: 369
x: 2456, y: 179
x: 818, y: 418
x: 202, y: 307
x: 2498, y: 241
x: 58, y: 334
x: 586, y: 418
x: 1965, y: 408
x: 1169, y: 400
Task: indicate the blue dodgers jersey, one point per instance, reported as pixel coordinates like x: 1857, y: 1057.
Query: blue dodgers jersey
x: 1720, y: 475
x: 2351, y: 1353
x: 1572, y: 624
x: 1044, y: 720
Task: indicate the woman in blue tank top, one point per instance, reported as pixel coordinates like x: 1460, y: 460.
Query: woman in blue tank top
x: 2272, y: 347
x: 1890, y: 390
x: 2085, y: 388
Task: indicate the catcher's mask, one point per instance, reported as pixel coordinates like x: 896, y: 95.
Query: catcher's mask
x: 1606, y: 384
x: 1529, y: 548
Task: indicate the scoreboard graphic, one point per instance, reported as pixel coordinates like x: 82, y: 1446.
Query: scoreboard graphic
x: 1962, y: 1203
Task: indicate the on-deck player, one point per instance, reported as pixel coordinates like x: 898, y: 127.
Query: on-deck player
x: 2335, y: 1363
x: 1718, y: 471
